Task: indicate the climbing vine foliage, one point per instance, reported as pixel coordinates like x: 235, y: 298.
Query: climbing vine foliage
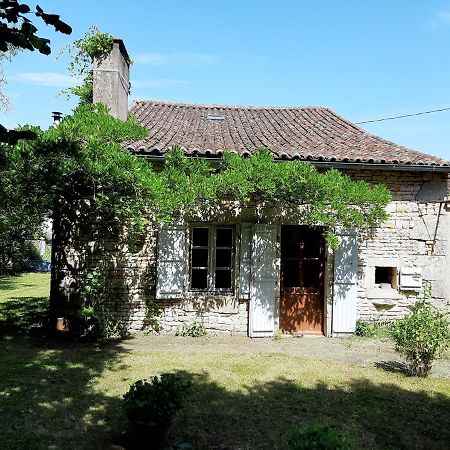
x: 94, y: 44
x: 120, y: 186
x: 82, y: 169
x: 328, y: 199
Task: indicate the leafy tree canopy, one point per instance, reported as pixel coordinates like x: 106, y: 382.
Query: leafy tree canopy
x: 18, y: 32
x: 17, y: 29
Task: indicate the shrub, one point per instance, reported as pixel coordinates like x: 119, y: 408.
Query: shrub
x: 365, y: 329
x: 152, y: 313
x: 317, y: 436
x: 278, y: 335
x: 195, y: 329
x: 31, y: 252
x: 421, y: 337
x: 90, y: 315
x: 158, y: 401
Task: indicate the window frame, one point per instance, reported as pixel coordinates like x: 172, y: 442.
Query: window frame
x: 212, y: 265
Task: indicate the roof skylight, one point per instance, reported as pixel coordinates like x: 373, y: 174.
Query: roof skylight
x: 215, y: 117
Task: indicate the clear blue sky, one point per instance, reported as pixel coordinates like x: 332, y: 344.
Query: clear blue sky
x: 364, y: 59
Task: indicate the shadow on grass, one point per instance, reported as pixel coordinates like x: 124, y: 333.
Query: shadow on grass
x: 23, y: 315
x: 7, y: 283
x: 47, y: 399
x: 372, y: 415
x: 393, y: 367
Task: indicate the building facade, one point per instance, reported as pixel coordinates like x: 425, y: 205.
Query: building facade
x: 253, y: 270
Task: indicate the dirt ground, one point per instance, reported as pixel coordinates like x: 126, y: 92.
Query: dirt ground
x: 378, y: 352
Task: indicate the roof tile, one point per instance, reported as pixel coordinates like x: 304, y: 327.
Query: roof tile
x: 308, y: 133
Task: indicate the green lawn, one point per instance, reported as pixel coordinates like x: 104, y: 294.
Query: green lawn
x: 68, y: 395
x: 23, y: 302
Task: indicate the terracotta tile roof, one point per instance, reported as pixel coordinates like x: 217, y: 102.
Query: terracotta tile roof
x: 307, y: 133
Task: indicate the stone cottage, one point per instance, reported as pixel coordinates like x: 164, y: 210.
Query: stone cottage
x: 253, y: 272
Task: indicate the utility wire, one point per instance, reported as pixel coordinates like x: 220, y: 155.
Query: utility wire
x: 405, y: 115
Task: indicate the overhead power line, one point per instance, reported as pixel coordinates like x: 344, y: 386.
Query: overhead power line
x: 404, y: 115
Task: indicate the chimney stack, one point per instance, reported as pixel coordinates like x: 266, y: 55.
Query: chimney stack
x: 111, y: 80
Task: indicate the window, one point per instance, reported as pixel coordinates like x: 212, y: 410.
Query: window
x: 385, y: 276
x: 212, y: 258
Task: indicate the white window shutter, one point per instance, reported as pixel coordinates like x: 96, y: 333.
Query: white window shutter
x: 245, y: 260
x: 171, y: 261
x: 263, y: 281
x: 345, y: 282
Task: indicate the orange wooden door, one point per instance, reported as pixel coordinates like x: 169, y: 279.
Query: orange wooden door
x: 302, y: 274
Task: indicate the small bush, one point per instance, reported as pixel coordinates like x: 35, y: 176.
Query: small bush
x: 278, y: 335
x: 158, y: 401
x: 365, y: 329
x: 421, y: 337
x: 152, y: 314
x: 317, y: 436
x: 31, y: 252
x: 195, y: 329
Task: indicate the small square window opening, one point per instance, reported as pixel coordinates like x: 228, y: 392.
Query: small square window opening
x: 386, y: 277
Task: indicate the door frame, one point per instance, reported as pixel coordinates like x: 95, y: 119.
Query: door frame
x: 327, y: 284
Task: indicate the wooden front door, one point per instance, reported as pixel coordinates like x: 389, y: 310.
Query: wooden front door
x: 302, y: 279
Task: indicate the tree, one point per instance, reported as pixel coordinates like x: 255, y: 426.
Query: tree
x: 18, y: 32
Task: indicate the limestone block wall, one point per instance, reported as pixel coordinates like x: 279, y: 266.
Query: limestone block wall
x: 129, y: 273
x: 227, y: 319
x: 416, y: 235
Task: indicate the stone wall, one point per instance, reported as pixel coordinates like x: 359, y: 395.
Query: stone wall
x: 415, y: 235
x: 228, y: 319
x: 129, y: 272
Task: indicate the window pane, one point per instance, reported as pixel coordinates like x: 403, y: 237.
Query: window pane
x: 312, y: 273
x: 291, y: 273
x: 223, y: 257
x: 312, y: 246
x: 298, y: 241
x: 199, y: 279
x: 292, y: 243
x: 199, y: 257
x: 224, y: 237
x: 223, y: 279
x: 200, y: 237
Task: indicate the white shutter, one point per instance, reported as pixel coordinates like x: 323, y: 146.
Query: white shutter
x: 263, y: 281
x: 245, y: 260
x: 345, y: 279
x: 170, y: 261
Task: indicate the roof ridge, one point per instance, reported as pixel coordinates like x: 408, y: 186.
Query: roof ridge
x: 217, y: 105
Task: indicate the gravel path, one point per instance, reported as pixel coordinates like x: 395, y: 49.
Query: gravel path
x: 363, y: 352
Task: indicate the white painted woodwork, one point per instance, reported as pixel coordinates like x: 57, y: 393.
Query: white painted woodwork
x: 410, y: 279
x: 263, y: 281
x: 171, y: 261
x: 345, y: 282
x: 245, y: 260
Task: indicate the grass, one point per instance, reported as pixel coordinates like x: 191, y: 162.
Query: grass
x: 55, y: 395
x: 68, y: 395
x: 23, y: 302
x: 24, y: 285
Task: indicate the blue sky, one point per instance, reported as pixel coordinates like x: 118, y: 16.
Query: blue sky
x: 363, y: 59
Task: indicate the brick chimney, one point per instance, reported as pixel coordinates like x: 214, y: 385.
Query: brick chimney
x: 111, y: 80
